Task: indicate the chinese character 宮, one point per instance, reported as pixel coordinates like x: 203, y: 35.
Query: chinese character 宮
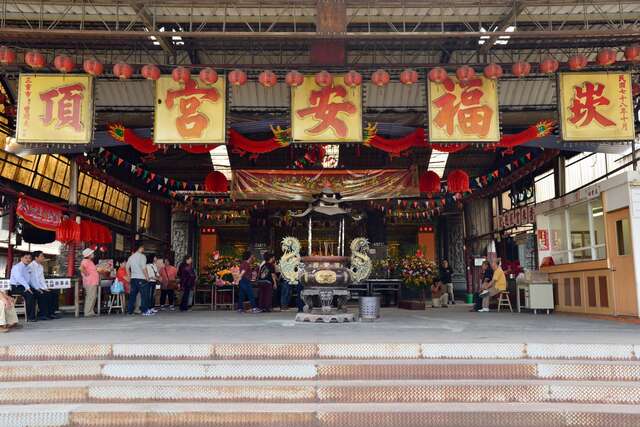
x: 325, y: 108
x: 584, y: 106
x: 472, y: 117
x: 67, y: 103
x: 191, y: 123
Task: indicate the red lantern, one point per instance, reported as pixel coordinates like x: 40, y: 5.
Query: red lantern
x: 150, y: 72
x: 216, y: 182
x: 521, y: 69
x: 458, y: 181
x: 34, y: 59
x: 324, y: 78
x: 429, y: 182
x: 465, y: 73
x: 181, y: 74
x: 63, y: 63
x: 409, y: 76
x: 93, y: 67
x: 380, y: 78
x: 606, y: 57
x: 635, y: 89
x: 294, y: 78
x: 577, y: 62
x: 493, y: 71
x: 7, y: 55
x: 267, y: 78
x: 353, y: 79
x: 549, y: 66
x: 631, y: 53
x: 237, y: 78
x: 208, y: 75
x: 438, y: 75
x: 122, y: 70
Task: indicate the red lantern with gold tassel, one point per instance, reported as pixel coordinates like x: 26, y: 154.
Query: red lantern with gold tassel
x: 35, y: 59
x: 150, y: 72
x: 380, y: 78
x: 606, y: 57
x: 267, y: 78
x: 324, y: 78
x: 493, y: 71
x: 632, y: 53
x: 64, y: 63
x: 429, y: 183
x: 577, y: 62
x: 458, y: 181
x: 122, y: 70
x: 408, y: 77
x: 438, y: 75
x: 237, y: 78
x: 93, y: 67
x: 181, y: 74
x: 465, y: 73
x: 549, y: 66
x: 353, y: 79
x: 294, y: 78
x: 521, y: 69
x: 208, y: 75
x: 7, y: 55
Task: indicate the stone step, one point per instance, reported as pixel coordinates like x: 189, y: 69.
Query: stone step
x: 320, y: 370
x: 321, y: 351
x: 320, y: 415
x: 338, y: 391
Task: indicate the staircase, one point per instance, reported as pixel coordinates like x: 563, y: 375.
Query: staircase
x: 298, y: 385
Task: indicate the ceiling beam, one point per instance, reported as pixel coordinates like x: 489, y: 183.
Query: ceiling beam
x: 165, y: 42
x: 501, y: 26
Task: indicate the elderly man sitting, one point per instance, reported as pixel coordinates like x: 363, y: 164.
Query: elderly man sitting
x: 439, y: 295
x: 8, y: 316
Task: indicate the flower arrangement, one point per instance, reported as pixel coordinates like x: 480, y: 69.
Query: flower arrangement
x: 386, y: 267
x: 221, y: 270
x: 418, y: 272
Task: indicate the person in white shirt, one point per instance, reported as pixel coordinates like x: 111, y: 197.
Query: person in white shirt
x: 137, y: 270
x: 153, y: 273
x: 39, y: 287
x: 20, y: 285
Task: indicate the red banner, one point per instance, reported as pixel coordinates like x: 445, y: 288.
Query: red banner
x: 299, y: 185
x: 38, y: 213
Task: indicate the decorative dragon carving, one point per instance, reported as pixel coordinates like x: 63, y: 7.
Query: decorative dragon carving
x: 290, y: 263
x: 361, y: 264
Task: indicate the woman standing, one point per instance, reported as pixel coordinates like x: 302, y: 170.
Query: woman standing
x: 267, y: 282
x: 90, y: 281
x: 168, y: 284
x: 187, y: 276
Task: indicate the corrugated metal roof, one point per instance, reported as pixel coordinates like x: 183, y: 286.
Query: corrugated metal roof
x: 527, y: 93
x: 253, y: 95
x: 124, y: 93
x: 395, y: 94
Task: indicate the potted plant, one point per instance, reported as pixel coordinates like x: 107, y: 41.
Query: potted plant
x: 418, y: 274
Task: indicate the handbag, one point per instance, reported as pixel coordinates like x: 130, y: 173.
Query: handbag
x: 117, y: 287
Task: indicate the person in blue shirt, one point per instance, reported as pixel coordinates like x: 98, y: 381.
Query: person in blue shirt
x: 20, y: 280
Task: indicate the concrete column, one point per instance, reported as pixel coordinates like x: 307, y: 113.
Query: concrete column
x: 559, y: 176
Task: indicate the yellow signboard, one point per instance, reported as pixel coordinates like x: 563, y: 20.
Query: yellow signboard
x: 55, y: 109
x: 464, y: 111
x: 326, y: 114
x: 596, y: 106
x: 189, y: 113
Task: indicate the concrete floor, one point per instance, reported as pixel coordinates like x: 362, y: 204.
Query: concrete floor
x: 453, y: 324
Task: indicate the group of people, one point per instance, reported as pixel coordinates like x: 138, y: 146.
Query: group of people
x: 493, y: 281
x: 268, y: 282
x: 27, y: 280
x: 142, y: 274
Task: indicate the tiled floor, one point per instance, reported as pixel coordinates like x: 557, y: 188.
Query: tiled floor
x: 453, y: 324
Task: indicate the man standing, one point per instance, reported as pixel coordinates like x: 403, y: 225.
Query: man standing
x: 39, y: 287
x: 445, y: 277
x: 137, y: 269
x: 20, y: 285
x: 498, y: 284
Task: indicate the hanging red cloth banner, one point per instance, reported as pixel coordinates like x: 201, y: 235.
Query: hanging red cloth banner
x: 38, y: 213
x: 68, y: 231
x: 92, y: 232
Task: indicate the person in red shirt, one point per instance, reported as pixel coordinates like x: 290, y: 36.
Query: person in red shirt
x: 168, y: 285
x: 123, y: 276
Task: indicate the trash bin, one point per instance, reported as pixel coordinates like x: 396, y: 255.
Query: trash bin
x: 369, y: 308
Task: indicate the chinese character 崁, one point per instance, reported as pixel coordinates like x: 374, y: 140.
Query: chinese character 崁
x: 584, y: 106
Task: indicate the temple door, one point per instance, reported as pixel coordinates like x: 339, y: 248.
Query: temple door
x: 620, y: 254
